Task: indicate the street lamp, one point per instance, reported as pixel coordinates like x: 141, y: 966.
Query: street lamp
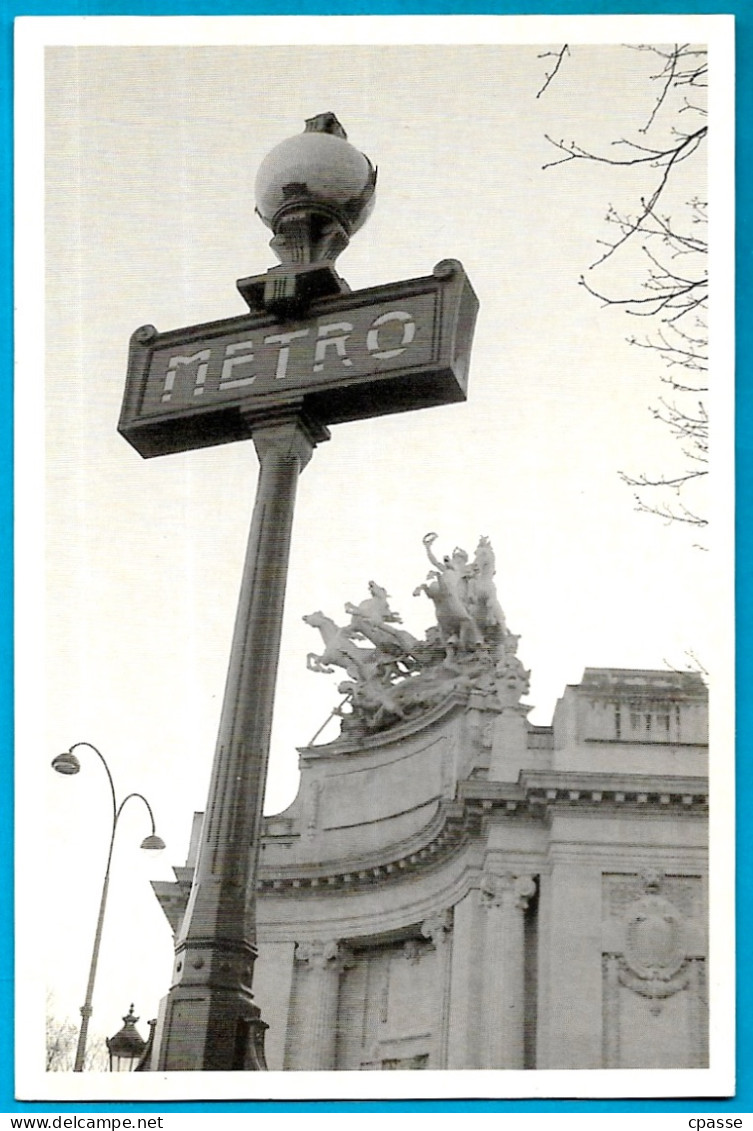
x: 351, y: 356
x: 126, y: 1048
x: 68, y: 763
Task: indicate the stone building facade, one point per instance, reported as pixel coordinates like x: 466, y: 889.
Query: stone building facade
x: 454, y: 887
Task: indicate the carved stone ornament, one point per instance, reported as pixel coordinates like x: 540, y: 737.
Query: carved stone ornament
x: 393, y: 676
x: 684, y: 892
x: 654, y: 988
x: 512, y: 678
x: 321, y: 955
x: 437, y: 927
x: 498, y: 890
x: 654, y: 962
x: 654, y: 939
x: 524, y: 888
x: 412, y: 951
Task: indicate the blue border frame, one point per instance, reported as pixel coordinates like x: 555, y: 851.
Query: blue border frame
x: 743, y: 12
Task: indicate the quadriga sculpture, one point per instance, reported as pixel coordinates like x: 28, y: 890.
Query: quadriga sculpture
x: 402, y: 676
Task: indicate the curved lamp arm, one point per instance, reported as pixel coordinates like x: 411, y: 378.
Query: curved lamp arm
x: 152, y: 841
x: 100, y: 755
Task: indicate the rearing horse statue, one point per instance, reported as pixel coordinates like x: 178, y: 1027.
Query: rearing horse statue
x: 375, y: 620
x: 339, y: 649
x: 482, y: 592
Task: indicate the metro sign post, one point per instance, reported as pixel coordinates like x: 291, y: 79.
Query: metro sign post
x: 309, y: 353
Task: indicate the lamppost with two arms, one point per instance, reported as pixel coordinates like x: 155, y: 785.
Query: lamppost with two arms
x: 68, y: 764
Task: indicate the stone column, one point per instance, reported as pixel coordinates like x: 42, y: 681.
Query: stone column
x: 321, y: 964
x: 505, y: 898
x: 438, y: 928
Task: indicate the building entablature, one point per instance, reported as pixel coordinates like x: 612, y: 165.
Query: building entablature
x: 531, y: 799
x: 459, y: 822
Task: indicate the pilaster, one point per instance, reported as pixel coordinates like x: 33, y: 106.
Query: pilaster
x: 509, y: 753
x: 438, y: 929
x: 321, y: 964
x: 505, y: 899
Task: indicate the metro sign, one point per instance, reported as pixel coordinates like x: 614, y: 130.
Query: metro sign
x: 385, y: 349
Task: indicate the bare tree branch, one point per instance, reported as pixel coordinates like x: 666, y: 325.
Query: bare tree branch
x: 672, y: 293
x: 677, y: 512
x: 558, y: 56
x: 692, y: 664
x: 669, y: 74
x: 61, y: 1038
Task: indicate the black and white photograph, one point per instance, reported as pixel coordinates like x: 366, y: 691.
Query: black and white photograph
x: 375, y: 622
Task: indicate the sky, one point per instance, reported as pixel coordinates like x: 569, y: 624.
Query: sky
x: 150, y: 159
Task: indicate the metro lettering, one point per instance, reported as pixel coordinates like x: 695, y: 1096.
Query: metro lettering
x: 227, y: 381
x: 202, y: 357
x: 284, y: 341
x: 343, y: 330
x: 330, y: 341
x: 409, y: 333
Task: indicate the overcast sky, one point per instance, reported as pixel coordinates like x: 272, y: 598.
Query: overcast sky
x: 151, y: 156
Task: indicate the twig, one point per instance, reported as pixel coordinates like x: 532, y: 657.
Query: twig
x: 559, y: 55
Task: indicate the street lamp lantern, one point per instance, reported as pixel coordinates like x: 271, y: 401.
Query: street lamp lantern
x: 68, y: 763
x: 127, y: 1047
x: 314, y: 191
x: 153, y: 842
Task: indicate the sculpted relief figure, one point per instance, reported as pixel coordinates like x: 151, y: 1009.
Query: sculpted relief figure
x: 513, y: 679
x: 372, y: 671
x: 400, y: 676
x: 448, y: 585
x: 375, y: 608
x: 373, y: 703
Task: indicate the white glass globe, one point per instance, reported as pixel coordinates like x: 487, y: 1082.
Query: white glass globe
x: 321, y: 169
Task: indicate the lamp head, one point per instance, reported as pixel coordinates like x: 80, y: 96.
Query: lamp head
x: 153, y: 842
x: 127, y: 1046
x: 314, y: 191
x: 66, y: 763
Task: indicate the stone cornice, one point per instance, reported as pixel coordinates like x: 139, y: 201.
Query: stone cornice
x: 440, y: 838
x: 659, y: 791
x: 532, y: 798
